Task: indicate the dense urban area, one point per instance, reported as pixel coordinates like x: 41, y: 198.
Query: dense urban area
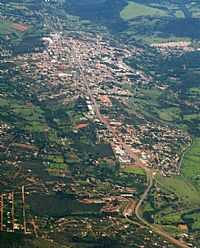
x: 99, y: 124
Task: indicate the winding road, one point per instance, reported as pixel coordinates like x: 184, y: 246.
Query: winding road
x: 155, y: 229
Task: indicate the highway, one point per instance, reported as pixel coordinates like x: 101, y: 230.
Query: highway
x: 155, y: 229
x: 144, y: 196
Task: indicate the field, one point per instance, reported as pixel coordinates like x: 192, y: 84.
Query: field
x: 26, y: 117
x: 162, y: 21
x: 184, y: 189
x: 7, y: 28
x: 61, y: 205
x: 195, y: 217
x: 170, y: 114
x: 195, y: 10
x: 133, y: 170
x: 133, y: 10
x: 191, y: 162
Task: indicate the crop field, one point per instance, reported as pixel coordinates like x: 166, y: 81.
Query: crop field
x: 133, y: 10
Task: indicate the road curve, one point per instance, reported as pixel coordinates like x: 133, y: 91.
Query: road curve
x: 146, y: 192
x: 155, y: 229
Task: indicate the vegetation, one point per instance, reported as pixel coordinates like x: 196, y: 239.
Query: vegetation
x: 191, y: 162
x: 186, y: 189
x: 6, y: 27
x: 134, y: 170
x: 133, y: 10
x: 66, y: 158
x: 170, y: 104
x: 61, y: 205
x: 32, y: 116
x: 18, y: 240
x: 190, y: 196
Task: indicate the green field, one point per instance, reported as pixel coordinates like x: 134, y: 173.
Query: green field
x: 26, y: 117
x: 186, y: 186
x: 56, y: 158
x: 134, y: 170
x: 179, y: 14
x: 170, y: 114
x: 172, y: 218
x: 184, y: 189
x: 191, y: 162
x: 6, y: 28
x: 195, y: 10
x: 133, y: 10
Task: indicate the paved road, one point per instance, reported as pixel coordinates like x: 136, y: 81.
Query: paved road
x: 144, y: 196
x: 154, y: 228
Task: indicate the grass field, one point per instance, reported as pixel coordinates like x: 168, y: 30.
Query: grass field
x: 170, y: 114
x: 195, y: 10
x: 183, y: 188
x: 6, y: 28
x: 186, y: 186
x: 56, y: 158
x: 134, y: 170
x: 27, y: 117
x: 10, y: 29
x: 191, y: 162
x: 172, y: 218
x: 192, y: 117
x: 133, y: 10
x: 179, y: 14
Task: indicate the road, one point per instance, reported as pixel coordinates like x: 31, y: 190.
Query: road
x: 1, y: 211
x: 23, y: 207
x: 144, y: 196
x: 154, y: 228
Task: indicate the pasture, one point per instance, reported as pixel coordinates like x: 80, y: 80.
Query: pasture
x: 134, y: 10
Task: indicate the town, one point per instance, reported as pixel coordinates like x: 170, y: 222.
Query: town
x: 95, y: 132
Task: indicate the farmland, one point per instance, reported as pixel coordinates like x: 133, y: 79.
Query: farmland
x: 182, y: 206
x: 134, y: 170
x: 31, y: 115
x: 190, y: 196
x: 10, y: 28
x: 191, y: 163
x: 133, y: 10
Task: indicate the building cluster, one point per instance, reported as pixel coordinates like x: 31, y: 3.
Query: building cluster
x: 90, y: 67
